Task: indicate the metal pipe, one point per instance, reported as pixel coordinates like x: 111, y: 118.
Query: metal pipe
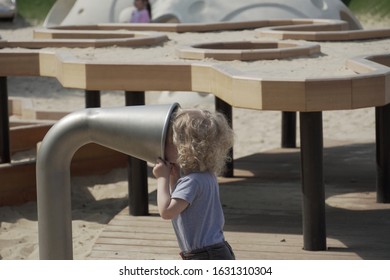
x: 227, y: 110
x: 313, y: 190
x: 139, y: 131
x: 5, y: 154
x: 92, y: 98
x: 137, y: 173
x: 289, y: 134
x: 382, y: 119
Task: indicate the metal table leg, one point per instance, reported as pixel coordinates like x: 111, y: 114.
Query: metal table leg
x: 92, y: 98
x: 382, y: 118
x: 226, y: 109
x: 137, y: 169
x: 5, y: 154
x: 314, y: 227
x: 289, y: 124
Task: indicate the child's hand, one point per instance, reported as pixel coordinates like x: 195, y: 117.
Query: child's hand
x: 175, y: 173
x: 161, y: 169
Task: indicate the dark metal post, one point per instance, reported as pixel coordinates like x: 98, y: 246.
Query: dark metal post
x: 289, y: 124
x: 382, y: 118
x: 226, y: 109
x: 5, y: 153
x: 313, y: 191
x: 137, y: 169
x: 92, y: 98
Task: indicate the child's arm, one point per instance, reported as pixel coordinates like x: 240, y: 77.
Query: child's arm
x: 174, y: 176
x: 168, y: 208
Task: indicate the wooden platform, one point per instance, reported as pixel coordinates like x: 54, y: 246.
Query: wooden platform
x: 262, y: 206
x: 368, y: 88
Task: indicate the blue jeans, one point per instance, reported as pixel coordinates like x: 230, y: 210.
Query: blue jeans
x: 219, y: 251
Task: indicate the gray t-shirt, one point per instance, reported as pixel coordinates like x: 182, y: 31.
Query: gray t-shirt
x: 201, y: 223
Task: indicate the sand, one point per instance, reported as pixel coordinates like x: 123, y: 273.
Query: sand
x: 96, y: 199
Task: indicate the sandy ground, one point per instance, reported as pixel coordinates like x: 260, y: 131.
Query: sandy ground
x: 97, y: 199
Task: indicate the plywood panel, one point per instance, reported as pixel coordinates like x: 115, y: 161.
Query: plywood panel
x: 369, y: 89
x: 283, y: 95
x: 247, y: 93
x: 139, y: 77
x: 328, y: 94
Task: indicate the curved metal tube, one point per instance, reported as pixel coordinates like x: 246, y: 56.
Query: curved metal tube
x: 139, y: 131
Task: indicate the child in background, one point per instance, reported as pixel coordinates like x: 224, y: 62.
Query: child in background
x: 142, y: 12
x: 197, y: 145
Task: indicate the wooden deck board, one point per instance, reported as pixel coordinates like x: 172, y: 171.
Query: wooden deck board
x: 131, y: 237
x: 262, y: 206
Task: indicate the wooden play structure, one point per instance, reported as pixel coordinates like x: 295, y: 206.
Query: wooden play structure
x: 84, y: 39
x: 369, y: 86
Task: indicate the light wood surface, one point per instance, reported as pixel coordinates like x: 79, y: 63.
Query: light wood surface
x: 314, y: 94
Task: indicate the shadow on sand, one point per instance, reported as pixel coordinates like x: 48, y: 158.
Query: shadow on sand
x: 265, y: 196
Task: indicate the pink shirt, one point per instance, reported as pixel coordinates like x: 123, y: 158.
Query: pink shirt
x: 140, y: 16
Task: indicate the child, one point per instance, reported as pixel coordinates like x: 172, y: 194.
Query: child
x: 187, y: 189
x: 142, y: 12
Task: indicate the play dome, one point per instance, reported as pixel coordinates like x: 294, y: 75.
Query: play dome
x: 81, y: 12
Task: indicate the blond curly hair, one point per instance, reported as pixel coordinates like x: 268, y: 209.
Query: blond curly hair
x: 202, y: 139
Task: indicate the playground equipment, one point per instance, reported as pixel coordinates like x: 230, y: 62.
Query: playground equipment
x: 247, y: 10
x: 8, y: 9
x: 81, y: 12
x: 70, y: 12
x: 139, y: 131
x: 307, y: 95
x: 78, y: 12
